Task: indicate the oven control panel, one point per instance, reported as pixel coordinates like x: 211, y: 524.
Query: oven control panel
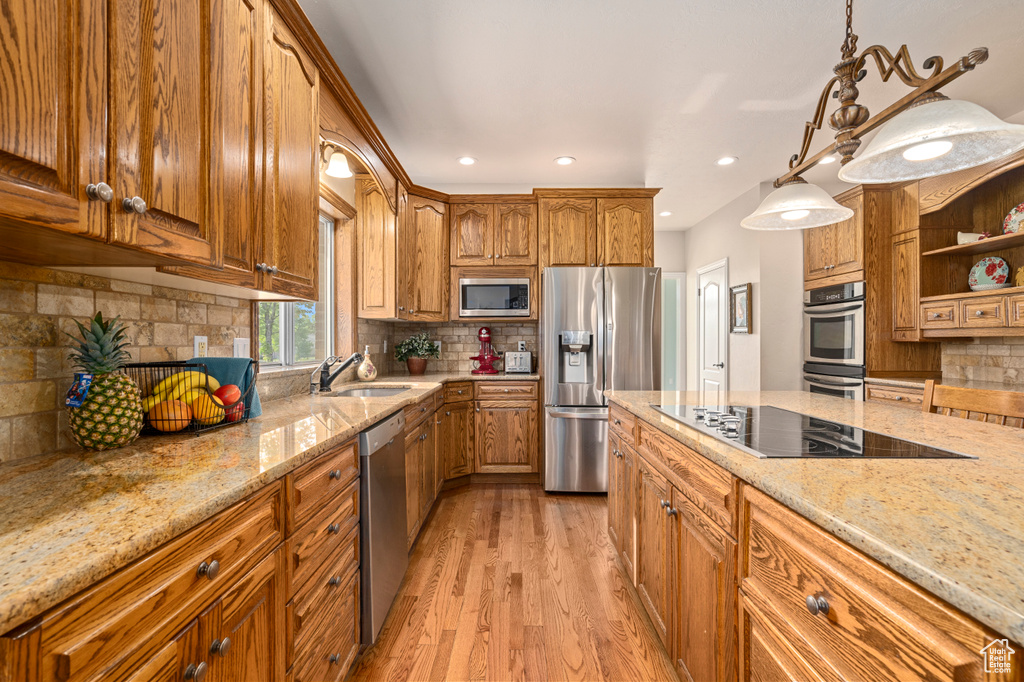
x: 834, y: 294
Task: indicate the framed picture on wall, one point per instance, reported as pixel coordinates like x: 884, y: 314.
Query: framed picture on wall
x: 740, y: 320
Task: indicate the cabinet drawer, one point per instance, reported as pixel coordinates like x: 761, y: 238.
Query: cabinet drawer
x: 1015, y: 310
x: 979, y: 313
x: 121, y: 619
x: 414, y: 414
x: 458, y: 392
x: 506, y: 390
x: 332, y: 647
x: 939, y: 315
x: 317, y: 599
x: 622, y: 423
x: 901, y: 397
x: 704, y: 483
x: 438, y: 400
x: 876, y: 625
x: 315, y: 483
x: 318, y: 538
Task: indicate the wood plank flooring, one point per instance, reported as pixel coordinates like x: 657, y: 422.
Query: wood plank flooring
x: 511, y: 583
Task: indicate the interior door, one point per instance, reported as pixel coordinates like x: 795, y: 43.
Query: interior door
x: 515, y: 234
x: 713, y: 333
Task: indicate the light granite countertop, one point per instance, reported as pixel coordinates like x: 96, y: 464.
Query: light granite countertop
x: 69, y: 519
x: 917, y: 383
x: 954, y: 527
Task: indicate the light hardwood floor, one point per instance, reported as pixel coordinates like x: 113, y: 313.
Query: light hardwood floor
x: 510, y: 583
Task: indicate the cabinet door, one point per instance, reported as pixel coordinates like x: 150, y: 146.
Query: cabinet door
x: 765, y: 656
x: 246, y: 639
x: 405, y: 254
x: 291, y: 195
x: 52, y: 135
x: 515, y: 234
x: 906, y: 289
x: 413, y: 445
x: 428, y: 260
x: 160, y: 112
x: 376, y: 232
x: 458, y: 439
x: 472, y: 234
x: 427, y: 484
x: 170, y: 663
x: 506, y: 437
x: 438, y: 451
x: 568, y: 232
x: 819, y: 251
x: 653, y: 547
x: 627, y: 479
x: 625, y: 232
x: 614, y: 492
x: 702, y: 594
x: 849, y: 239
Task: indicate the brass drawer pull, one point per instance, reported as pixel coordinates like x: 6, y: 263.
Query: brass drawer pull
x: 817, y: 604
x: 208, y: 570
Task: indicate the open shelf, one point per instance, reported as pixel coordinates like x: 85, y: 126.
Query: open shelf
x: 1003, y: 241
x: 1008, y: 291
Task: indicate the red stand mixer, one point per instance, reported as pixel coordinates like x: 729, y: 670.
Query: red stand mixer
x: 486, y: 357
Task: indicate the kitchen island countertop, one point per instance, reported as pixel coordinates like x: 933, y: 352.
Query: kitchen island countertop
x: 955, y: 527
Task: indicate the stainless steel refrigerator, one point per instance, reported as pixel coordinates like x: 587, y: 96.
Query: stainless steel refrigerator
x: 600, y: 330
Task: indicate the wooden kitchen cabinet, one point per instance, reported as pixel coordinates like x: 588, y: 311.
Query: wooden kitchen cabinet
x: 428, y: 467
x: 653, y: 542
x: 472, y: 234
x: 457, y: 438
x: 170, y: 662
x: 515, y: 234
x: 625, y: 232
x: 615, y: 498
x: 425, y: 268
x: 413, y: 491
x: 568, y: 232
x: 837, y: 249
x: 291, y: 188
x: 494, y: 234
x: 377, y: 252
x: 506, y: 436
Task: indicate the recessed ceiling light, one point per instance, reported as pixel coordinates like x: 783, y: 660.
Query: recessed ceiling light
x: 727, y: 160
x: 828, y: 159
x: 564, y: 160
x: 467, y: 160
x: 665, y: 214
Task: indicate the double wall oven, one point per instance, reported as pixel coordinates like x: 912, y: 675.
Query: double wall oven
x: 834, y: 340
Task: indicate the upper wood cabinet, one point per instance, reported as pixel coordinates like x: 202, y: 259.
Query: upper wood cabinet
x: 377, y: 252
x: 836, y: 249
x: 291, y: 152
x: 625, y: 232
x: 494, y: 233
x: 568, y: 232
x: 425, y: 269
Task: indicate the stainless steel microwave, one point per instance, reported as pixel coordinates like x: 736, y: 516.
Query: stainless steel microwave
x: 494, y: 297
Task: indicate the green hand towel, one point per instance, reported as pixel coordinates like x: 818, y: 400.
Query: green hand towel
x: 238, y: 371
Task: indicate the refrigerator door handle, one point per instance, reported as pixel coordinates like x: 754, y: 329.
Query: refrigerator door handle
x: 601, y: 414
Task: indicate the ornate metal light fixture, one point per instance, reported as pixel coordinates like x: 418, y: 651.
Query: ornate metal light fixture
x: 928, y: 133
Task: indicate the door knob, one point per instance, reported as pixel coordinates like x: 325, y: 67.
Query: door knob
x: 101, y: 191
x: 719, y: 365
x: 134, y: 205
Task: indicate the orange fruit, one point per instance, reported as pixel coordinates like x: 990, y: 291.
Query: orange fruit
x: 169, y: 415
x: 208, y: 409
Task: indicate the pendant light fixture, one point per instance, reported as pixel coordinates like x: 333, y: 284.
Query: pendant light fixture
x: 921, y: 135
x: 797, y: 205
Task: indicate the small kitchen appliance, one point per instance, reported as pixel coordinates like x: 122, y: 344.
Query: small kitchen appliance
x: 518, y: 362
x: 494, y: 297
x: 486, y: 357
x: 834, y: 340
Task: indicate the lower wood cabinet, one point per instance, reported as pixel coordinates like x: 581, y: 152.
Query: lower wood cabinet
x: 506, y: 436
x: 654, y: 546
x: 899, y: 396
x: 457, y: 438
x: 423, y: 476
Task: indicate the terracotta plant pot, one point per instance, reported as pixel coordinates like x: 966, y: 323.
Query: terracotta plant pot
x: 416, y: 366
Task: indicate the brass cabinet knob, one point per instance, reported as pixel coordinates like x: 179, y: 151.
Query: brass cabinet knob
x: 100, y: 191
x: 817, y: 604
x: 208, y: 570
x: 221, y: 647
x: 134, y: 205
x: 197, y: 672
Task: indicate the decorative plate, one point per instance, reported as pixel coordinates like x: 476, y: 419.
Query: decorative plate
x: 1014, y: 221
x: 989, y: 273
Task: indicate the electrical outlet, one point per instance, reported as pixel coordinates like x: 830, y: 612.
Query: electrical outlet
x: 199, y: 347
x: 241, y: 348
x: 522, y: 345
x: 438, y: 344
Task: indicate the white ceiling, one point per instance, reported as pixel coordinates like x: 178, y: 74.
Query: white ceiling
x: 642, y: 93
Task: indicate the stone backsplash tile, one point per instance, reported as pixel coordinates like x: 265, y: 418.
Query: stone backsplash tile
x: 1000, y: 360
x: 39, y: 306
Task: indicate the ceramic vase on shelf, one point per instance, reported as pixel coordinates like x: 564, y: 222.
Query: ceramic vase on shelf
x: 366, y: 370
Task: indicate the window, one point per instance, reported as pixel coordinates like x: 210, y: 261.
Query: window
x: 299, y: 333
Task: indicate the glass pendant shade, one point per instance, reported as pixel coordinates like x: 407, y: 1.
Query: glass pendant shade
x: 934, y: 138
x: 337, y: 167
x: 796, y: 206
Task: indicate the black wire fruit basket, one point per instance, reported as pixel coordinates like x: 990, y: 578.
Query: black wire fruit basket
x: 184, y: 397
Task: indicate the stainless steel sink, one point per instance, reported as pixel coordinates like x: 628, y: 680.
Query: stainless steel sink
x: 375, y: 392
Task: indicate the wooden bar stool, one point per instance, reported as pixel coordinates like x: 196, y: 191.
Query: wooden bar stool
x: 995, y: 407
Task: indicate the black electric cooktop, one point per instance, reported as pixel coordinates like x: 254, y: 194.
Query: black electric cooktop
x: 765, y: 431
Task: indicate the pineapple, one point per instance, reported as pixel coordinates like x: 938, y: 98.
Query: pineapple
x: 111, y: 415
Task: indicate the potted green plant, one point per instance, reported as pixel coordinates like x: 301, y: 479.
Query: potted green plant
x: 415, y: 350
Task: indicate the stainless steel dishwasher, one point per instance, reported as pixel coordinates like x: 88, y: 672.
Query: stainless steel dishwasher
x: 382, y: 543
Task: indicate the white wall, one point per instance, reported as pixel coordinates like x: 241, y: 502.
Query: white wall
x: 769, y: 358
x: 670, y: 250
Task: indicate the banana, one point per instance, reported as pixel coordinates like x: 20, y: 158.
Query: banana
x: 148, y: 403
x: 190, y: 396
x: 189, y: 381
